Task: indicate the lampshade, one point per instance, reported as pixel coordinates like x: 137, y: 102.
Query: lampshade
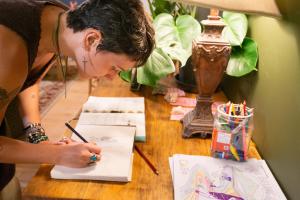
x: 259, y: 7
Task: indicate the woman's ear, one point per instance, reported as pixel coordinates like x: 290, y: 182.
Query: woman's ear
x: 92, y: 39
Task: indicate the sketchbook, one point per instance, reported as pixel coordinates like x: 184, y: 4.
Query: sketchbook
x: 116, y: 143
x: 116, y: 111
x: 203, y: 177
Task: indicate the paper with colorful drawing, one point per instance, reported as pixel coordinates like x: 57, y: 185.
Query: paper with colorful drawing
x: 207, y: 178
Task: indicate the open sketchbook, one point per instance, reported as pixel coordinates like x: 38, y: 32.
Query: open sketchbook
x: 207, y: 178
x: 115, y: 111
x: 116, y: 143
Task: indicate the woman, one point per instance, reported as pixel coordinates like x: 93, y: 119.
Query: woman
x: 102, y: 36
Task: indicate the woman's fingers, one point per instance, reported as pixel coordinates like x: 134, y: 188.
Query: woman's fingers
x: 94, y: 158
x: 75, y: 154
x: 66, y: 140
x: 93, y: 148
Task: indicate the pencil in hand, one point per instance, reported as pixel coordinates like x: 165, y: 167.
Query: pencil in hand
x: 75, y: 132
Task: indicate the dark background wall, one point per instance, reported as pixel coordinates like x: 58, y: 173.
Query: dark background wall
x: 274, y: 92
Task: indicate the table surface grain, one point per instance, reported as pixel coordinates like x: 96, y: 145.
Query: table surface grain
x: 163, y: 140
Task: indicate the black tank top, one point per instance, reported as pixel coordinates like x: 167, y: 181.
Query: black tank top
x: 23, y: 17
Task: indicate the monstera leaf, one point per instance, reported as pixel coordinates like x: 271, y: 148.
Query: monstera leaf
x: 182, y: 31
x: 244, y: 52
x: 243, y: 59
x: 126, y: 75
x: 188, y: 29
x: 236, y: 27
x: 165, y: 30
x: 176, y: 52
x: 158, y: 65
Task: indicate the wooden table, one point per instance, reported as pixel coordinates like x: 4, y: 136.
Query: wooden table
x: 163, y: 140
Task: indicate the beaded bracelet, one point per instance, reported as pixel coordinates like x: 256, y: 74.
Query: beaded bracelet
x: 35, y: 133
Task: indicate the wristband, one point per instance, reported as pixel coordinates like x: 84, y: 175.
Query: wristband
x: 35, y: 133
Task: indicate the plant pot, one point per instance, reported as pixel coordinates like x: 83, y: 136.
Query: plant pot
x: 134, y: 85
x: 185, y: 79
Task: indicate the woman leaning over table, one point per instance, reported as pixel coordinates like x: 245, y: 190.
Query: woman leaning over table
x: 102, y: 36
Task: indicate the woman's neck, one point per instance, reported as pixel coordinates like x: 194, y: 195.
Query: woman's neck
x: 64, y: 41
x: 54, y: 32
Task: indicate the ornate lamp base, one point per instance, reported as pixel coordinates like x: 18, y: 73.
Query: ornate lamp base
x: 200, y: 120
x: 210, y: 57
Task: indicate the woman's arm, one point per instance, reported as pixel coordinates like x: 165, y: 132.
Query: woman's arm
x: 29, y: 99
x: 73, y: 154
x: 29, y: 105
x: 13, y: 72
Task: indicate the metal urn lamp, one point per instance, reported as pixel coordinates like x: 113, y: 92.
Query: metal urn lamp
x: 210, y: 58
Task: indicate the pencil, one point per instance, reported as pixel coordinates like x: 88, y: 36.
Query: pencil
x: 146, y: 160
x: 74, y: 131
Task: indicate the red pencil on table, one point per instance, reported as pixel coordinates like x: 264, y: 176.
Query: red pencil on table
x: 146, y: 160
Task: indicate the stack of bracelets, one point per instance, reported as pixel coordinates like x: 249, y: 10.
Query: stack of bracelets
x: 35, y: 133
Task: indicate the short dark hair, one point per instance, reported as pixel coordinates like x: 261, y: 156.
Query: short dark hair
x: 123, y: 24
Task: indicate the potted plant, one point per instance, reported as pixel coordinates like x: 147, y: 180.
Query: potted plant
x: 175, y: 32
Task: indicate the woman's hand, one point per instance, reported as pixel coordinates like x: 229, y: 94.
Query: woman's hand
x: 64, y: 140
x: 75, y: 154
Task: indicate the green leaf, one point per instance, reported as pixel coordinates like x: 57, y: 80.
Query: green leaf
x: 165, y: 30
x: 188, y: 29
x: 163, y: 6
x: 236, y: 27
x: 243, y: 59
x: 126, y: 75
x: 158, y: 65
x: 176, y: 39
x: 176, y: 52
x: 185, y: 30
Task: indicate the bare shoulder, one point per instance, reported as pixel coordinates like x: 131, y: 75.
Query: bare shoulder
x: 13, y: 65
x: 13, y: 55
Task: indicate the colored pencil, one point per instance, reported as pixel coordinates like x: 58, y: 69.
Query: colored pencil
x: 146, y: 160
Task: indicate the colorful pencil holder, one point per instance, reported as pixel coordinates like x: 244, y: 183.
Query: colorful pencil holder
x: 232, y: 132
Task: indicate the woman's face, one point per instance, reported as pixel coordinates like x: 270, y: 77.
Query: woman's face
x: 103, y: 64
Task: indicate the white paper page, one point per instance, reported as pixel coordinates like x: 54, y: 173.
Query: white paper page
x: 116, y: 143
x: 272, y: 181
x: 124, y: 119
x: 201, y: 177
x: 129, y: 177
x: 114, y: 104
x: 171, y: 164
